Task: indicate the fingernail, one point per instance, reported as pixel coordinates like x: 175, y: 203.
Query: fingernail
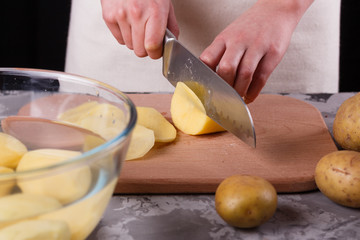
x: 247, y: 101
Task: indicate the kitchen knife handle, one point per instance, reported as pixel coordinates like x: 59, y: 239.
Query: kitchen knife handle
x: 169, y: 39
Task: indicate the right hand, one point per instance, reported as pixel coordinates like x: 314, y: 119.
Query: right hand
x: 140, y: 24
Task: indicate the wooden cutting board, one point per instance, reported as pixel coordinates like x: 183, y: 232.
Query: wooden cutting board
x: 291, y: 139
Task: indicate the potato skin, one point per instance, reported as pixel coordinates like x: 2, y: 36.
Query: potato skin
x: 337, y: 176
x: 346, y: 127
x: 245, y: 201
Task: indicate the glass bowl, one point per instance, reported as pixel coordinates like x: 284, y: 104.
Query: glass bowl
x: 63, y: 139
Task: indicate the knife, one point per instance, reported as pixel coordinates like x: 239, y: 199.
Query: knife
x: 222, y: 103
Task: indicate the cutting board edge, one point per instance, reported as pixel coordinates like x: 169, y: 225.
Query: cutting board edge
x: 202, y: 189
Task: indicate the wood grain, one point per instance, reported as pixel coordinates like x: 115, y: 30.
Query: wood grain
x: 291, y: 138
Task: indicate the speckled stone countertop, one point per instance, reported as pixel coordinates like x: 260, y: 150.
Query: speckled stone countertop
x: 307, y: 215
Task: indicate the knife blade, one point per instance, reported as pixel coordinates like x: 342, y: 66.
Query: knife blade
x: 222, y: 103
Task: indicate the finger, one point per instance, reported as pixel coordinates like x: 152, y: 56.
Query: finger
x: 256, y: 85
x: 125, y: 28
x: 227, y: 68
x: 138, y: 39
x: 262, y: 73
x: 246, y: 69
x: 172, y: 23
x: 211, y: 56
x: 115, y: 30
x: 154, y: 36
x: 137, y: 18
x: 111, y: 21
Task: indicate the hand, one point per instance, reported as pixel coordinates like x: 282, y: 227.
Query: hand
x: 140, y: 24
x: 250, y: 48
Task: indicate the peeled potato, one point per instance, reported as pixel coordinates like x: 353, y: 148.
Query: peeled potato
x: 104, y: 119
x: 346, y: 127
x: 74, y: 114
x: 36, y: 230
x: 142, y: 140
x: 337, y: 176
x: 188, y: 112
x: 6, y: 185
x: 65, y: 186
x: 245, y: 201
x: 150, y: 118
x: 82, y: 217
x: 22, y: 205
x: 11, y: 150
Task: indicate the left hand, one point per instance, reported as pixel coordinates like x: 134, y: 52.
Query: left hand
x: 246, y: 52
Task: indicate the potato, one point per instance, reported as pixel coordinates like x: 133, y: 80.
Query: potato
x: 346, y: 127
x: 245, y: 201
x: 6, y: 185
x: 65, y: 186
x: 11, y: 150
x: 142, y: 140
x: 82, y: 217
x: 73, y: 115
x: 188, y: 112
x: 22, y: 205
x: 108, y: 121
x: 337, y: 176
x: 36, y: 230
x: 150, y: 118
x: 104, y: 119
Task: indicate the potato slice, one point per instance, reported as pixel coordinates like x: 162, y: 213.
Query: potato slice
x: 11, y: 150
x: 22, y: 205
x: 36, y: 230
x: 65, y: 186
x: 74, y: 114
x: 188, y: 112
x: 104, y: 119
x: 6, y: 185
x: 142, y: 140
x: 151, y: 118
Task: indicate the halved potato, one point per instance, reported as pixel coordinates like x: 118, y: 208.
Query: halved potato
x: 188, y: 112
x: 151, y: 118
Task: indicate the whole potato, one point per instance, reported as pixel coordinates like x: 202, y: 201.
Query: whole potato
x: 346, y: 127
x: 337, y: 176
x: 245, y: 201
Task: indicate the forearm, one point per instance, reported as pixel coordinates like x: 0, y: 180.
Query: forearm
x: 294, y: 9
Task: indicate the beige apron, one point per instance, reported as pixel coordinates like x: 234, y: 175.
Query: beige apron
x: 310, y: 65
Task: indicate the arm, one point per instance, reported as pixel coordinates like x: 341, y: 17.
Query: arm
x: 140, y: 24
x: 250, y: 48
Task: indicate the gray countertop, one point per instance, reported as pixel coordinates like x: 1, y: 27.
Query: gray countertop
x: 307, y: 215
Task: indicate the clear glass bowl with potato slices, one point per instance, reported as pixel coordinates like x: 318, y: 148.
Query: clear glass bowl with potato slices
x: 63, y: 140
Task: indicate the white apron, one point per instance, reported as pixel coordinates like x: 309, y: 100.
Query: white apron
x: 310, y: 65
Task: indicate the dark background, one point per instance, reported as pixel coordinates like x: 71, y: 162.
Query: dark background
x: 34, y: 32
